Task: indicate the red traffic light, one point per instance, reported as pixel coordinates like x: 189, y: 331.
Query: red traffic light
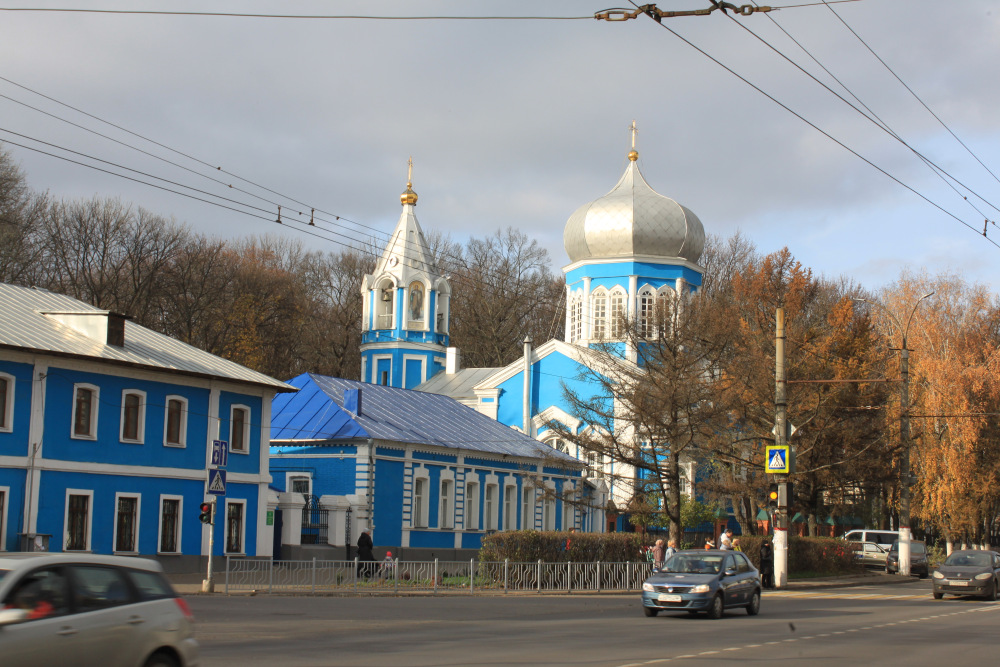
x: 206, y: 513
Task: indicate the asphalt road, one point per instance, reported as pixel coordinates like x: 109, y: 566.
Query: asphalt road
x: 884, y: 625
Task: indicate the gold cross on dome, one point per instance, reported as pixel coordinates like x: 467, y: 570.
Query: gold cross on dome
x: 634, y: 130
x: 409, y: 172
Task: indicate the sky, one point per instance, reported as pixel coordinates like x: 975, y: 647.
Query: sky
x: 519, y: 122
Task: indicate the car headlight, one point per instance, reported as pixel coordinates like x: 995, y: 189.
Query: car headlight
x: 984, y: 575
x: 701, y: 588
x: 648, y: 587
x: 937, y: 575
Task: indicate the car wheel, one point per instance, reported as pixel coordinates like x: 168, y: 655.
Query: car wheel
x: 754, y: 607
x: 161, y: 660
x: 938, y: 596
x: 992, y: 595
x: 649, y: 611
x: 717, y: 608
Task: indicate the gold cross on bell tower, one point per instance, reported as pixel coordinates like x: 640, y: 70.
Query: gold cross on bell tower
x: 409, y: 196
x: 633, y: 154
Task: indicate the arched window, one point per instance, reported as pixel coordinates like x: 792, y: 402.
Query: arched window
x: 666, y: 300
x: 647, y: 312
x: 558, y: 444
x: 415, y: 302
x: 576, y: 319
x: 386, y: 298
x: 599, y: 308
x: 617, y: 312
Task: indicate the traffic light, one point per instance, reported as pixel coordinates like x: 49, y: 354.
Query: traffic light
x: 206, y: 513
x: 772, y: 496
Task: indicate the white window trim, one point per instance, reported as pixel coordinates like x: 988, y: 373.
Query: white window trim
x: 138, y: 515
x: 90, y: 519
x: 423, y: 365
x: 491, y: 516
x: 289, y: 476
x: 243, y: 528
x: 246, y: 428
x: 180, y: 524
x: 142, y: 418
x: 93, y: 411
x: 471, y: 505
x: 549, y: 507
x: 529, y: 500
x: 4, y: 514
x: 9, y: 409
x: 420, y: 521
x: 422, y: 324
x: 184, y: 420
x: 386, y: 283
x: 510, y: 517
x: 375, y: 368
x: 446, y: 520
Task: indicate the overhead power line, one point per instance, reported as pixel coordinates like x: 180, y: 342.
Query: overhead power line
x: 312, y: 17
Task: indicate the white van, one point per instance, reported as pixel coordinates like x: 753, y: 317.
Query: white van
x: 883, y: 538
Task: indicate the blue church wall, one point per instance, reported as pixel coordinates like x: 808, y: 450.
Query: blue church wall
x: 388, y: 503
x: 498, y: 465
x: 15, y: 443
x: 426, y: 456
x: 399, y: 368
x: 598, y: 271
x: 249, y: 493
x: 414, y: 373
x: 548, y: 377
x: 429, y: 539
x: 12, y: 512
x: 52, y: 509
x: 313, y: 449
x: 108, y: 448
x: 331, y: 475
x: 390, y: 451
x: 472, y: 540
x: 239, y: 462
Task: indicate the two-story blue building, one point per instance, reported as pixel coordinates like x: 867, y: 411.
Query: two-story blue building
x: 106, y: 432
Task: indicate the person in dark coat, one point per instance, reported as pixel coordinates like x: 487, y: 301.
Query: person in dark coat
x: 366, y: 559
x: 766, y: 564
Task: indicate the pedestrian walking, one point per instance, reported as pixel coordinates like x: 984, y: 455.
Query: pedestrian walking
x: 670, y: 550
x: 366, y: 559
x: 726, y: 539
x: 658, y: 553
x: 766, y: 564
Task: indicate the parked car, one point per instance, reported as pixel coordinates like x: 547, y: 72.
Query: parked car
x: 883, y: 538
x: 80, y: 610
x: 969, y: 572
x: 870, y: 554
x: 710, y: 581
x: 918, y: 559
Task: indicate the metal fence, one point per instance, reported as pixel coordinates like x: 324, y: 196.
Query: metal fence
x: 397, y: 577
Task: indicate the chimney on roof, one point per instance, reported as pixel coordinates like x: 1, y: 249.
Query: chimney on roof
x: 452, y: 361
x: 116, y: 329
x: 352, y: 401
x: 104, y: 326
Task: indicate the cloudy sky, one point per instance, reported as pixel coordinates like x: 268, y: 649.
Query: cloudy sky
x: 517, y: 123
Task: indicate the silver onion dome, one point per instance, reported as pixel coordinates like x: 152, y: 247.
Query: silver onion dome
x: 633, y: 219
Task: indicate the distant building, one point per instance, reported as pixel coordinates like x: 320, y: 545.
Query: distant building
x: 106, y: 432
x: 430, y: 474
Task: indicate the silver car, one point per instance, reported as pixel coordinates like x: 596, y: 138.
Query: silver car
x: 80, y: 610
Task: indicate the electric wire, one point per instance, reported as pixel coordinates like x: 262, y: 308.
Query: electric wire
x: 821, y: 131
x: 294, y: 16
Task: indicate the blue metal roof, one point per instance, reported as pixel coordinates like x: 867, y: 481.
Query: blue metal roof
x: 316, y: 413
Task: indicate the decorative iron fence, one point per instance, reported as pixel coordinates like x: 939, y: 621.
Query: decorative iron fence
x: 395, y: 576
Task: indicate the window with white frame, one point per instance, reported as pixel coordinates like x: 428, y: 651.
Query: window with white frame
x: 126, y: 523
x: 665, y: 302
x: 472, y: 506
x: 576, y: 319
x: 385, y: 297
x: 548, y: 512
x: 175, y: 422
x: 491, y: 508
x: 6, y: 402
x: 558, y: 444
x: 133, y: 425
x: 446, y: 509
x: 419, y: 509
x: 4, y: 492
x: 647, y: 312
x: 78, y: 520
x: 599, y: 311
x: 239, y: 429
x: 235, y: 526
x: 299, y: 482
x: 617, y: 312
x: 170, y: 524
x: 527, y: 507
x: 85, y: 398
x: 510, y: 507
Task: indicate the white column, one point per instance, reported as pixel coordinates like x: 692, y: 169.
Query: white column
x: 36, y: 432
x: 587, y: 333
x: 569, y: 310
x: 291, y: 505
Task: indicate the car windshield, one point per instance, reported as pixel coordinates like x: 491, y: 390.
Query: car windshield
x: 968, y: 560
x: 695, y: 563
x: 915, y: 547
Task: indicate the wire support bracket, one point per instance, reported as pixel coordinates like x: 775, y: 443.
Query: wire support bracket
x: 657, y: 14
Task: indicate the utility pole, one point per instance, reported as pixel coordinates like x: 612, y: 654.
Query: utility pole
x: 780, y: 433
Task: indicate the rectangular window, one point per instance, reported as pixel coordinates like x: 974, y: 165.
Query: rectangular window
x: 78, y: 522
x: 85, y: 412
x: 527, y: 508
x: 446, y: 507
x: 490, y: 515
x: 239, y: 435
x: 126, y: 523
x: 234, y: 528
x: 548, y: 514
x: 133, y: 416
x: 175, y: 431
x: 170, y: 525
x: 6, y: 402
x: 300, y: 484
x: 472, y: 506
x: 419, y: 502
x: 509, y: 508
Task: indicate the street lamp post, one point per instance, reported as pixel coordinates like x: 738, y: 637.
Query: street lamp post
x: 904, y: 434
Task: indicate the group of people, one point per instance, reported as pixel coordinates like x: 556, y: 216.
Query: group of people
x: 726, y: 543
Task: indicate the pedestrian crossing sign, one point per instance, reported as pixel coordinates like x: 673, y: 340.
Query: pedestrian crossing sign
x: 217, y: 482
x: 776, y: 459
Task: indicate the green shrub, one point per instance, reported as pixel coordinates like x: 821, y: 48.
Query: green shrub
x: 531, y: 545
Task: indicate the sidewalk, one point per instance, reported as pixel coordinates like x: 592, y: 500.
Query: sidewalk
x: 190, y: 584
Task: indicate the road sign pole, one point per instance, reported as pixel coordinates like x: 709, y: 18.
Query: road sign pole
x: 208, y: 586
x: 780, y: 440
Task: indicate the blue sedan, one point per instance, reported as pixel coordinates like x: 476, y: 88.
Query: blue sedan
x: 709, y: 581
